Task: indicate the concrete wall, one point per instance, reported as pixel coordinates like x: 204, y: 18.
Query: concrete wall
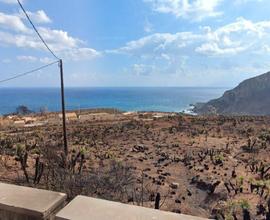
x: 24, y: 203
x: 87, y: 208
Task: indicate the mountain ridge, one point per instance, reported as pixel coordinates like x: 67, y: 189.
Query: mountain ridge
x: 250, y: 97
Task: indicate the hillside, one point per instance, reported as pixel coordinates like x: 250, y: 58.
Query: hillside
x: 207, y: 166
x: 250, y: 97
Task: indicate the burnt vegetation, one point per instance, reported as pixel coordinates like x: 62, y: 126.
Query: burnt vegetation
x: 212, y: 166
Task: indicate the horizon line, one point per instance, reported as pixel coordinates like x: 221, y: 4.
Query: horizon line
x: 88, y: 87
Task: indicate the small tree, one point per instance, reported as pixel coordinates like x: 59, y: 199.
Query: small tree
x: 22, y: 110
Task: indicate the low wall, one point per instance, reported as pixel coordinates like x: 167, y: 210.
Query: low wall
x: 87, y: 208
x: 24, y: 203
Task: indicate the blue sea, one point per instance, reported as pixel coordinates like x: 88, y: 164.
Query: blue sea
x: 167, y: 99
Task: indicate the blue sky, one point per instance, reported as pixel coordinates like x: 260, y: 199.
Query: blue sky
x: 136, y: 42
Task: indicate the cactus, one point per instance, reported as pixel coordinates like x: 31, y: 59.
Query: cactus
x: 245, y: 207
x: 39, y: 168
x: 22, y: 157
x: 246, y: 214
x: 157, y: 201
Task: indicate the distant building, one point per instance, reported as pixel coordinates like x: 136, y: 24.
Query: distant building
x: 70, y: 116
x: 35, y: 124
x: 162, y: 115
x: 19, y: 123
x: 28, y: 120
x: 129, y: 113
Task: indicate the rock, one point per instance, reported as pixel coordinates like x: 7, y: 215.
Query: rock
x: 140, y: 148
x: 147, y: 169
x: 158, y: 182
x: 199, y: 168
x: 177, y: 201
x: 161, y: 177
x: 166, y: 174
x: 250, y: 97
x: 174, y: 185
x: 176, y: 159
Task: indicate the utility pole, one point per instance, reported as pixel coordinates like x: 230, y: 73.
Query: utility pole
x: 61, y: 76
x: 63, y: 107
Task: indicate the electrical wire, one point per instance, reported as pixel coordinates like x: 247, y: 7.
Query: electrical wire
x: 27, y: 73
x: 43, y: 41
x: 41, y: 38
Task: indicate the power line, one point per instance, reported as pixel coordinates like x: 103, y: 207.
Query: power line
x: 61, y: 78
x: 26, y: 73
x: 41, y: 38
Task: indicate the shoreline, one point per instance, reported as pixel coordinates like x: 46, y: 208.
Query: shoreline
x: 147, y: 99
x: 188, y: 110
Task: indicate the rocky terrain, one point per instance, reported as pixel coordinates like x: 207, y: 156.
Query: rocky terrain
x: 209, y: 166
x: 251, y: 97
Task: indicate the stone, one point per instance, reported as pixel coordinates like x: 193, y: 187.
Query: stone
x: 174, y: 185
x: 177, y: 201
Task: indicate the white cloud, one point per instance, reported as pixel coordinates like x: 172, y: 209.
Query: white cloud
x: 242, y: 35
x: 27, y: 58
x: 206, y: 54
x: 214, y: 49
x: 59, y: 41
x: 237, y: 37
x: 187, y: 9
x: 11, y: 1
x: 12, y: 22
x: 81, y: 53
x: 37, y: 17
x: 19, y: 40
x: 156, y: 45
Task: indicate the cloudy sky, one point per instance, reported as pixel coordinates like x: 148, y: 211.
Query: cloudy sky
x: 136, y: 42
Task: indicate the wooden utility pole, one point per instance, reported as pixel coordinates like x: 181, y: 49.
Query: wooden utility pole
x: 61, y: 76
x: 63, y: 107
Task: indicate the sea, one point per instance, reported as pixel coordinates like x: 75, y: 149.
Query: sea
x: 164, y: 99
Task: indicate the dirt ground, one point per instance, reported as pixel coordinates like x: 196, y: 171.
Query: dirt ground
x: 208, y: 166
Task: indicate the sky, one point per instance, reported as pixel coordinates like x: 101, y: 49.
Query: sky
x: 205, y: 43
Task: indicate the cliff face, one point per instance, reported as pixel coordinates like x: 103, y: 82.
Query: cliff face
x: 250, y: 97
